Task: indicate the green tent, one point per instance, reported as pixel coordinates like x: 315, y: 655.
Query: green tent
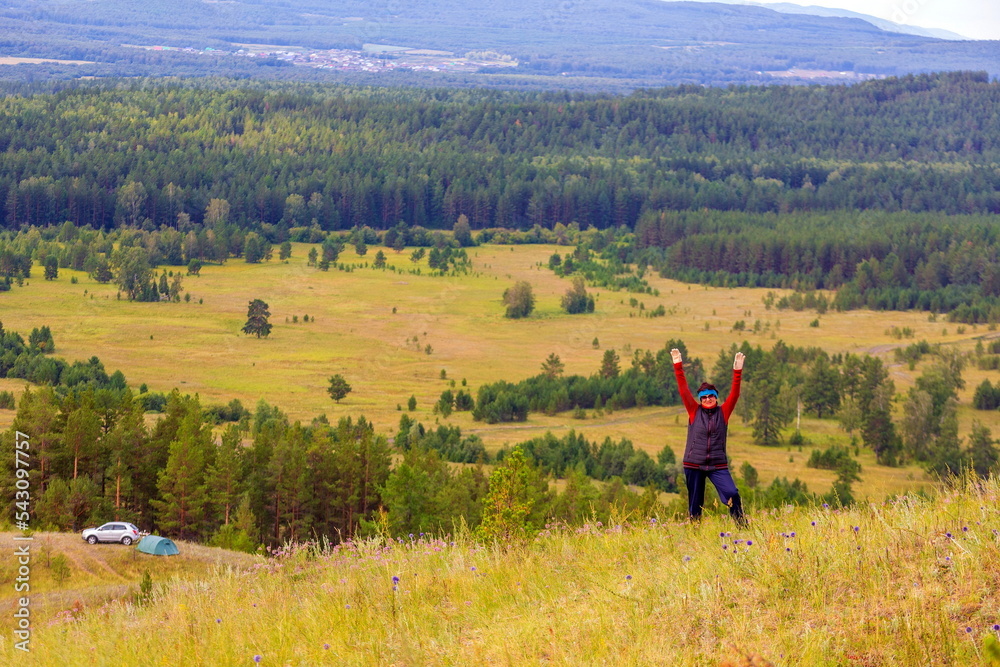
x: 158, y: 546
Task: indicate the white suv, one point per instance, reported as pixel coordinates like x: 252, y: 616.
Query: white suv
x: 116, y: 531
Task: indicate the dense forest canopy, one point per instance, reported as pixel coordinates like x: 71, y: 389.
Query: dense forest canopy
x: 136, y: 152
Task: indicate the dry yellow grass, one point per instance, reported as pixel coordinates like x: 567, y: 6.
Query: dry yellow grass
x: 912, y: 582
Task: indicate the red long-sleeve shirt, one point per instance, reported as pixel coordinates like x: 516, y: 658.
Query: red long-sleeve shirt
x: 707, y: 433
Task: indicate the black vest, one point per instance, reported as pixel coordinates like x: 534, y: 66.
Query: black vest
x: 706, y: 440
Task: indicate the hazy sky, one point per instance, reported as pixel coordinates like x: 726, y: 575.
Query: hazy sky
x: 975, y: 19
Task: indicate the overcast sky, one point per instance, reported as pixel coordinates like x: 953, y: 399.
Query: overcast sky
x: 975, y: 19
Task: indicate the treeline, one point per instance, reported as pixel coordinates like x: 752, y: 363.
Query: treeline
x: 130, y: 256
x: 608, y: 460
x: 886, y: 261
x: 859, y: 393
x: 267, y: 480
x: 126, y: 154
x: 649, y: 381
x: 28, y: 360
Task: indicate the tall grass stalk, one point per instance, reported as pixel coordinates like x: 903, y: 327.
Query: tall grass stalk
x: 907, y: 582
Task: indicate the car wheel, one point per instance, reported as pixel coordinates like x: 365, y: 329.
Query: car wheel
x: 92, y: 539
x: 126, y: 540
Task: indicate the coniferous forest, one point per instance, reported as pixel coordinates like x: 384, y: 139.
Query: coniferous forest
x: 142, y: 153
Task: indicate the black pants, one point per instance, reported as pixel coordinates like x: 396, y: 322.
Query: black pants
x: 724, y: 485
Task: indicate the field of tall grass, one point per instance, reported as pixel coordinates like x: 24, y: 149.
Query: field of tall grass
x: 913, y: 581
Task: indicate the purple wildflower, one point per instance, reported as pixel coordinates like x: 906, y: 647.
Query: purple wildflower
x: 996, y: 627
x: 326, y: 646
x: 628, y: 577
x: 749, y: 543
x: 258, y: 658
x: 968, y: 630
x: 218, y: 620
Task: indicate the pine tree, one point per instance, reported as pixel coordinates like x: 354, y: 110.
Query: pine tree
x: 126, y: 444
x: 770, y: 414
x: 80, y: 434
x: 552, y: 367
x: 51, y: 267
x: 257, y: 324
x: 288, y: 486
x: 338, y: 388
x: 359, y: 468
x: 224, y: 479
x: 38, y: 416
x: 947, y: 458
x: 982, y: 451
x: 53, y: 508
x: 609, y: 364
x: 509, y: 502
x: 821, y: 391
x: 181, y: 510
x: 410, y: 491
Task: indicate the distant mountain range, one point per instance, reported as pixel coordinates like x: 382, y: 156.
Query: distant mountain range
x: 788, y: 8
x: 584, y: 44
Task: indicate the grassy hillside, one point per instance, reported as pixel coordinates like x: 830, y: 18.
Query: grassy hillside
x: 97, y: 574
x: 198, y: 348
x: 909, y: 582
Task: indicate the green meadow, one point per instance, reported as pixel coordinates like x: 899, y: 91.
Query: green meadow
x: 392, y: 333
